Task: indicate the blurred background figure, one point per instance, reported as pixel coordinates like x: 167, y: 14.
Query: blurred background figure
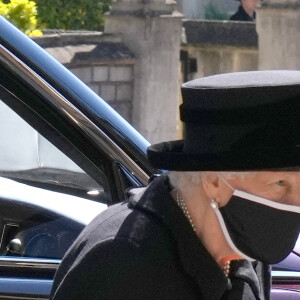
x: 246, y: 11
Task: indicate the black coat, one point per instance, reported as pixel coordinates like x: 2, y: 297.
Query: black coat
x: 241, y: 15
x: 146, y: 249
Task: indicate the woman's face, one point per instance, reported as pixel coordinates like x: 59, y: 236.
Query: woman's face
x: 282, y: 187
x: 250, y: 4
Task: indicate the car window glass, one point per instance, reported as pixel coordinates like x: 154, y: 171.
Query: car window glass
x: 45, y: 198
x: 26, y: 155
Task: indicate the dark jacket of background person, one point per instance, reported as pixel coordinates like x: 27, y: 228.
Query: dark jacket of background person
x: 146, y: 249
x: 241, y: 15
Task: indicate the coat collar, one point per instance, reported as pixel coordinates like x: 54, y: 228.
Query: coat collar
x: 195, y: 259
x: 246, y: 17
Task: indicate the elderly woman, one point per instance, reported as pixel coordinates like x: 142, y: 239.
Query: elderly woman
x: 226, y: 209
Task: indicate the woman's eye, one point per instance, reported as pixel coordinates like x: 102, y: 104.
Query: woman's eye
x: 280, y: 182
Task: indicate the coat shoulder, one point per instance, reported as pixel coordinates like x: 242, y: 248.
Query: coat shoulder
x: 118, y: 244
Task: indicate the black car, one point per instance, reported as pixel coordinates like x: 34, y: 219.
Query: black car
x: 64, y: 156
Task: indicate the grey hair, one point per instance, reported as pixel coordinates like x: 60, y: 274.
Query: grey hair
x: 186, y: 180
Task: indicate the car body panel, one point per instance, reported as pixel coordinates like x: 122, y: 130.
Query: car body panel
x: 83, y: 210
x: 292, y: 261
x: 23, y: 287
x: 284, y: 294
x: 57, y: 206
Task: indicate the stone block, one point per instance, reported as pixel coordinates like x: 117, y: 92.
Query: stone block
x: 100, y: 73
x: 210, y: 62
x: 247, y: 61
x: 227, y: 62
x: 121, y: 73
x: 279, y: 39
x: 124, y: 92
x: 108, y: 92
x: 84, y: 73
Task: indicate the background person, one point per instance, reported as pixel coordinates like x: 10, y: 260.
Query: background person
x: 228, y: 207
x: 246, y: 11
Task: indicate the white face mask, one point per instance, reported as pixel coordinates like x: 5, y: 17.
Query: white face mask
x: 257, y: 228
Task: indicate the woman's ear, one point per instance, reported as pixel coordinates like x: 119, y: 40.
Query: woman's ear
x: 215, y: 188
x: 211, y: 184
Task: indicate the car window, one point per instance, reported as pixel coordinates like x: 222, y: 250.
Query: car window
x: 45, y: 198
x: 27, y: 156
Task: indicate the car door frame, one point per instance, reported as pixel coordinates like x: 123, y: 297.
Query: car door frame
x: 21, y: 79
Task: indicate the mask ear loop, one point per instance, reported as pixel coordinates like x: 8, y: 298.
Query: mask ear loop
x: 225, y: 181
x: 215, y: 205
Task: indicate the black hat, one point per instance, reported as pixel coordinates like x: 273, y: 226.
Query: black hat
x: 236, y: 121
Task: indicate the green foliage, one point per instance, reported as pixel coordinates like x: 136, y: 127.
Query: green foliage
x: 213, y: 12
x: 72, y: 15
x: 21, y: 13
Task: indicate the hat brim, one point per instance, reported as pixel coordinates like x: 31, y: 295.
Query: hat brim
x: 170, y: 156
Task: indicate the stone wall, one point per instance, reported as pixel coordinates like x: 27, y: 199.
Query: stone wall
x: 100, y: 61
x: 113, y: 82
x: 279, y: 36
x: 136, y: 72
x: 220, y: 46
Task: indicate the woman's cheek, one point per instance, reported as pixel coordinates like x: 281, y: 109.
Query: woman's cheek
x: 278, y: 194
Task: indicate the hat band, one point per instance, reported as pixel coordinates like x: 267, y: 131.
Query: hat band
x: 240, y: 116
